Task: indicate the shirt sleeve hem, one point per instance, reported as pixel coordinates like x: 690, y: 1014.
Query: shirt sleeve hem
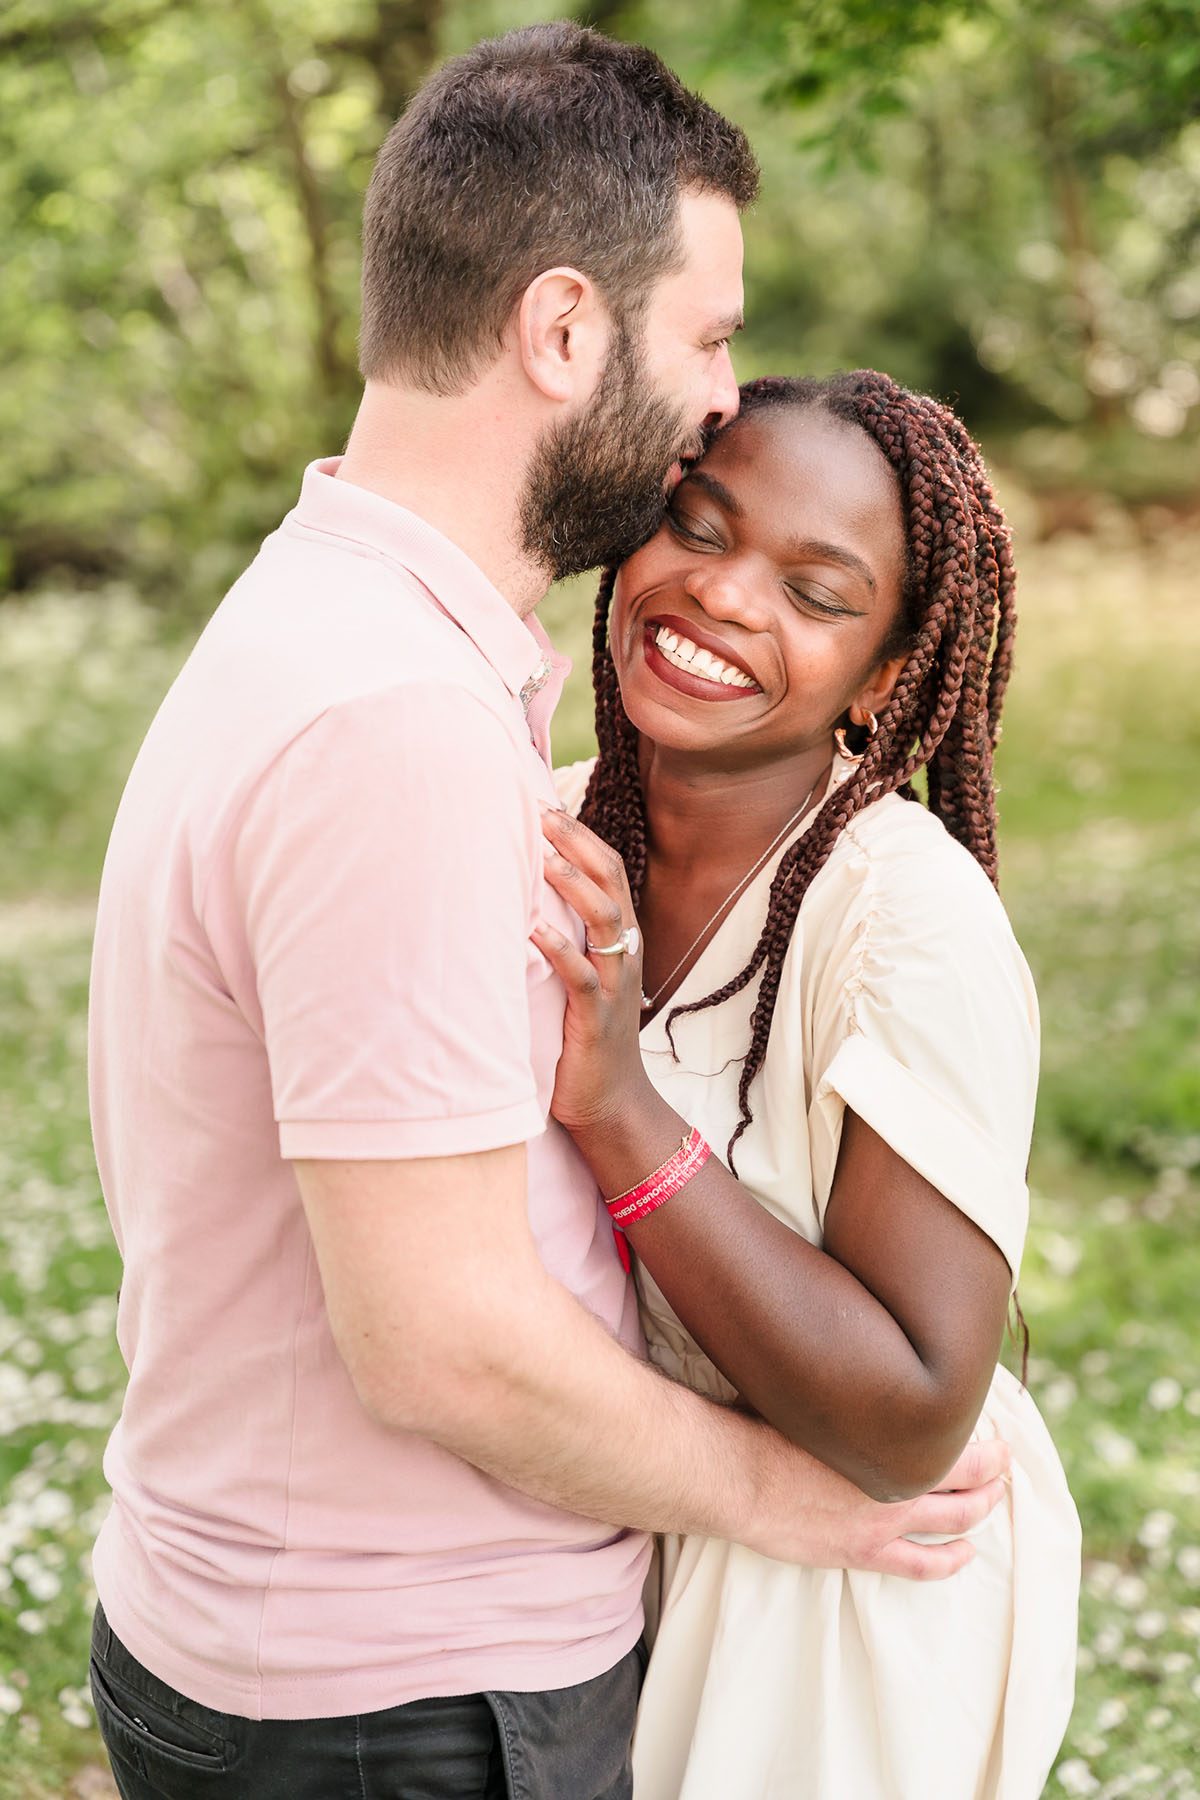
x: 387, y: 1140
x: 932, y: 1137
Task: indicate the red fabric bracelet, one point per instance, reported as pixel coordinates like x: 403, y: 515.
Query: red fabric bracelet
x: 659, y: 1186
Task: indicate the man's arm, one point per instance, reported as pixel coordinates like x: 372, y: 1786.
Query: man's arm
x: 451, y: 1327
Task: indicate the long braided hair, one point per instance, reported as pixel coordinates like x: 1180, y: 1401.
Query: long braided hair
x: 957, y: 622
x: 944, y: 713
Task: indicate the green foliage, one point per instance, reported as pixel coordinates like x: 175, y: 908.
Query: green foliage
x: 78, y: 683
x: 1000, y: 202
x: 1100, y: 873
x: 1012, y: 188
x: 181, y: 187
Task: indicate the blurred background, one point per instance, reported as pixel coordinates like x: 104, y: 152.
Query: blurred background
x: 997, y: 201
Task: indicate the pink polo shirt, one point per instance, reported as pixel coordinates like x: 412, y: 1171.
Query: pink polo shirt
x: 313, y: 941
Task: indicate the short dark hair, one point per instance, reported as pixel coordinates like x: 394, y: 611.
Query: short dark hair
x: 552, y: 144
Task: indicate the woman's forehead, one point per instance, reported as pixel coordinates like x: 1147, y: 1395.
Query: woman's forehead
x: 803, y: 462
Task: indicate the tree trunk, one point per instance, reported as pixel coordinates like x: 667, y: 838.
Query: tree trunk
x: 1053, y: 105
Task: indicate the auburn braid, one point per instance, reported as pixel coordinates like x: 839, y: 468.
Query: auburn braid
x: 957, y: 626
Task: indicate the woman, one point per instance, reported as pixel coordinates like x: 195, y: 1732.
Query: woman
x: 831, y: 995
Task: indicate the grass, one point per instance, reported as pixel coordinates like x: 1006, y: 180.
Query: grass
x: 1100, y: 769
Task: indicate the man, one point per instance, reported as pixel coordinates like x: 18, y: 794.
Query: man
x: 388, y: 1457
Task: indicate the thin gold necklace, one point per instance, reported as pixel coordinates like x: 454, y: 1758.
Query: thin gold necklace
x: 650, y: 1001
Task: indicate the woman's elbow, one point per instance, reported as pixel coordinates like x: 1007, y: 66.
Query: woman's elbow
x: 921, y: 1456
x: 891, y: 1457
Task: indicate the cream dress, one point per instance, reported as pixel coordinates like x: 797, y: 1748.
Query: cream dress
x: 904, y: 995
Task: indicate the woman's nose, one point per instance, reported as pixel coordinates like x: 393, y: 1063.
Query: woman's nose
x: 728, y: 592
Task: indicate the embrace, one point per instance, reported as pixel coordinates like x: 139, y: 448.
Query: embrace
x: 569, y: 1219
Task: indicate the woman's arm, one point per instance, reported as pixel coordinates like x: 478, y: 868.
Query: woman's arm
x: 874, y: 1353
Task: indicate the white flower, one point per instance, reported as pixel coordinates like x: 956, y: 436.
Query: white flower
x: 75, y: 1704
x: 1156, y: 1529
x: 1130, y: 1592
x: 1164, y: 1393
x: 1188, y: 1562
x: 1114, y: 1449
x: 1150, y: 1624
x: 1111, y: 1714
x: 31, y: 1621
x: 1058, y: 1397
x: 44, y: 1586
x: 10, y: 1700
x: 1063, y: 1254
x: 1077, y: 1778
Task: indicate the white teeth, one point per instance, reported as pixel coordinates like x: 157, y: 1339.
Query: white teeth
x: 685, y: 655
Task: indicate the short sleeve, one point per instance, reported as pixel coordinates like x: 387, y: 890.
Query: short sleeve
x: 925, y: 1022
x: 385, y: 873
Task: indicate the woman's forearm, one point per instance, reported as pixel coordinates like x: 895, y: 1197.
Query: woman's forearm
x: 797, y: 1333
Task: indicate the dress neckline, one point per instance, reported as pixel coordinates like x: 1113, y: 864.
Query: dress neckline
x: 751, y: 902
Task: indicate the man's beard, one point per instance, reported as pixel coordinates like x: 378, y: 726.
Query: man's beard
x: 595, y: 487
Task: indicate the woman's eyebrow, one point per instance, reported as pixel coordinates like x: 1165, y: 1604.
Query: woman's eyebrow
x: 801, y: 549
x: 720, y: 493
x: 815, y: 549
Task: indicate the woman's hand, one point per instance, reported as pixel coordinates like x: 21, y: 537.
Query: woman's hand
x: 600, y: 1075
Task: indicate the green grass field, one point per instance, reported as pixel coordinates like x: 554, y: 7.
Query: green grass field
x: 1100, y: 772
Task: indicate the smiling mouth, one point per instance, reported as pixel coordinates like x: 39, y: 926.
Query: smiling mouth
x: 692, y: 668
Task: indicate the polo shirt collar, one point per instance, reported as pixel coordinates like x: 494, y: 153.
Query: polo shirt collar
x: 518, y: 649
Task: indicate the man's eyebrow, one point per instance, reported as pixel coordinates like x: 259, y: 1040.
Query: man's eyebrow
x: 726, y: 327
x: 720, y: 493
x: 810, y: 549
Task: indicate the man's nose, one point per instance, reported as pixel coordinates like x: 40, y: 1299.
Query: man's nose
x: 725, y: 397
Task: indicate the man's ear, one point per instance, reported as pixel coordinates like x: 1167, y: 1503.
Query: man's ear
x: 562, y: 334
x: 875, y: 693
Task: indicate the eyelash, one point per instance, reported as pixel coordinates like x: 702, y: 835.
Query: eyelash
x: 695, y: 537
x: 830, y: 612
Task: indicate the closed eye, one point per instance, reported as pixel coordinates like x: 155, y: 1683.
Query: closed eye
x: 808, y: 598
x: 692, y: 531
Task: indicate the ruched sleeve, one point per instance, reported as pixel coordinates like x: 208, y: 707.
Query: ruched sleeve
x: 570, y: 783
x: 923, y: 1018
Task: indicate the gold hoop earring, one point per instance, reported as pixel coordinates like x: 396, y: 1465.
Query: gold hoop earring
x: 870, y: 725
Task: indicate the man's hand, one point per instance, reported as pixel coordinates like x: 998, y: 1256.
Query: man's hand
x: 839, y: 1527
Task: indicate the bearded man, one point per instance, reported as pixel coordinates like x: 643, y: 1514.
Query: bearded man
x: 389, y: 1457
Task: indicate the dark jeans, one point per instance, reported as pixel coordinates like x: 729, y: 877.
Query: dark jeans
x: 564, y: 1744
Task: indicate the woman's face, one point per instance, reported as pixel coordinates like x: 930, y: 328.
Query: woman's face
x: 762, y: 607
